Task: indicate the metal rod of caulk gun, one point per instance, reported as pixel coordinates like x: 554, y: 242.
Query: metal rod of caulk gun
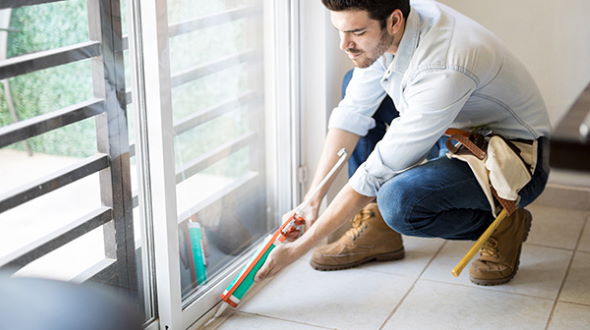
x: 342, y: 154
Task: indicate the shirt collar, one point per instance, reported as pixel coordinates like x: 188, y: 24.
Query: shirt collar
x: 408, y: 44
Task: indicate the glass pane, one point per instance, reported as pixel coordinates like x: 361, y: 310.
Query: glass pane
x: 39, y: 92
x: 32, y: 159
x: 222, y: 201
x: 186, y: 10
x: 43, y: 27
x: 232, y: 40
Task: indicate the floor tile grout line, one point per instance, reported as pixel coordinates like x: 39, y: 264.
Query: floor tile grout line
x: 567, y: 272
x: 545, y: 206
x: 548, y: 246
x: 411, y: 287
x: 381, y: 272
x: 574, y: 303
x: 586, y: 222
x: 287, y: 320
x: 565, y: 186
x: 488, y: 289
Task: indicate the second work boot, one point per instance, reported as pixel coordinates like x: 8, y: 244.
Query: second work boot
x: 500, y: 254
x: 369, y: 239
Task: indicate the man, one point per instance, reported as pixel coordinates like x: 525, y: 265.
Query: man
x: 420, y: 69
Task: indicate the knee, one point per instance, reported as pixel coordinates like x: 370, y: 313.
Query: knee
x: 396, y: 202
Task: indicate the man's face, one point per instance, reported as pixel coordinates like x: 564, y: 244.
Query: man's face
x: 361, y: 37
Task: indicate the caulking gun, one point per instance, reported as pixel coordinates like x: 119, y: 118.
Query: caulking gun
x: 294, y: 224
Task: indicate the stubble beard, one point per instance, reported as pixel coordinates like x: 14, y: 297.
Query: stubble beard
x: 384, y: 44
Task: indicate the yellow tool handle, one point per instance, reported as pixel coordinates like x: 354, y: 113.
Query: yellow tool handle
x: 477, y: 245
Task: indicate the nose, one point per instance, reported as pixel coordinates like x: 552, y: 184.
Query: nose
x: 345, y: 42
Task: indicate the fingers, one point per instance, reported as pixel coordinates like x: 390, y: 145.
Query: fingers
x: 292, y: 236
x: 264, y: 271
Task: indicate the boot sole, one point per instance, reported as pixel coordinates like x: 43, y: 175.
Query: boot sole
x: 390, y: 256
x: 482, y: 282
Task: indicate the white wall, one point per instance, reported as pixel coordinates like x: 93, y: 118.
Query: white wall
x: 322, y: 67
x: 551, y: 37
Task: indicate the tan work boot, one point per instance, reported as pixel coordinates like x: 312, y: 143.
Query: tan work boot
x: 500, y: 255
x: 368, y: 239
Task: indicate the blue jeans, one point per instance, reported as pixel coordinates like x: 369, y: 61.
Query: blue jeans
x: 441, y: 198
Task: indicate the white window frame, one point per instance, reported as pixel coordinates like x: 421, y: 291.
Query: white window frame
x: 280, y: 101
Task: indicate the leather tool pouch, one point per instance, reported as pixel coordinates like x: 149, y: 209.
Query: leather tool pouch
x: 502, y: 167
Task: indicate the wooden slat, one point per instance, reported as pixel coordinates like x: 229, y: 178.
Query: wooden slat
x: 212, y: 112
x: 28, y: 128
x: 93, y: 270
x: 21, y: 3
x: 212, y: 20
x: 211, y: 67
x: 15, y: 66
x: 53, y: 181
x: 57, y: 239
x: 213, y: 156
x: 110, y: 275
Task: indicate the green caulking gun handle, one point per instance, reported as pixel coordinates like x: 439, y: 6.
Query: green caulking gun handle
x: 249, y: 280
x: 243, y: 287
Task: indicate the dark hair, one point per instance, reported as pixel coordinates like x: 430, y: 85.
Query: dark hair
x: 378, y: 9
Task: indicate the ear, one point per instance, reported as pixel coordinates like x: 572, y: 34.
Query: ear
x: 395, y: 21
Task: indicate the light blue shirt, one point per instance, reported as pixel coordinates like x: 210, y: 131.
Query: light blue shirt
x: 449, y: 71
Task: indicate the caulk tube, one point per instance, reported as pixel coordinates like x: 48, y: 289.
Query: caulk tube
x: 234, y: 293
x: 198, y: 248
x: 234, y: 298
x: 245, y: 279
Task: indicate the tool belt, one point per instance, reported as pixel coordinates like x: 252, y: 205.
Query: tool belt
x: 502, y: 167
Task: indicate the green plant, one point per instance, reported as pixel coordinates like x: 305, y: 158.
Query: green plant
x: 43, y: 27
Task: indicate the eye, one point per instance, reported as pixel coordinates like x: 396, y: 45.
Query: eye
x: 359, y: 33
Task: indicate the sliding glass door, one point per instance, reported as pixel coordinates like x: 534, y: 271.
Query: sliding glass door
x: 218, y: 141
x: 146, y: 145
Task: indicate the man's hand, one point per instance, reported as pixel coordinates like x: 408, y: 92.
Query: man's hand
x: 309, y: 214
x: 280, y: 257
x: 346, y: 204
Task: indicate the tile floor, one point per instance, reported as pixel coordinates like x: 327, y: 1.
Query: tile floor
x: 551, y: 290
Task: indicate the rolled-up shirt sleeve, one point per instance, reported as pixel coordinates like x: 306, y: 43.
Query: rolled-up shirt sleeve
x: 363, y: 96
x: 429, y: 104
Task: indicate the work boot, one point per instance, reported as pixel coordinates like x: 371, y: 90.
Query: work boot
x: 500, y: 255
x: 369, y: 239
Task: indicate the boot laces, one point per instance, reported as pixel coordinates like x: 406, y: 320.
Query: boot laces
x: 358, y: 223
x: 490, y: 248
